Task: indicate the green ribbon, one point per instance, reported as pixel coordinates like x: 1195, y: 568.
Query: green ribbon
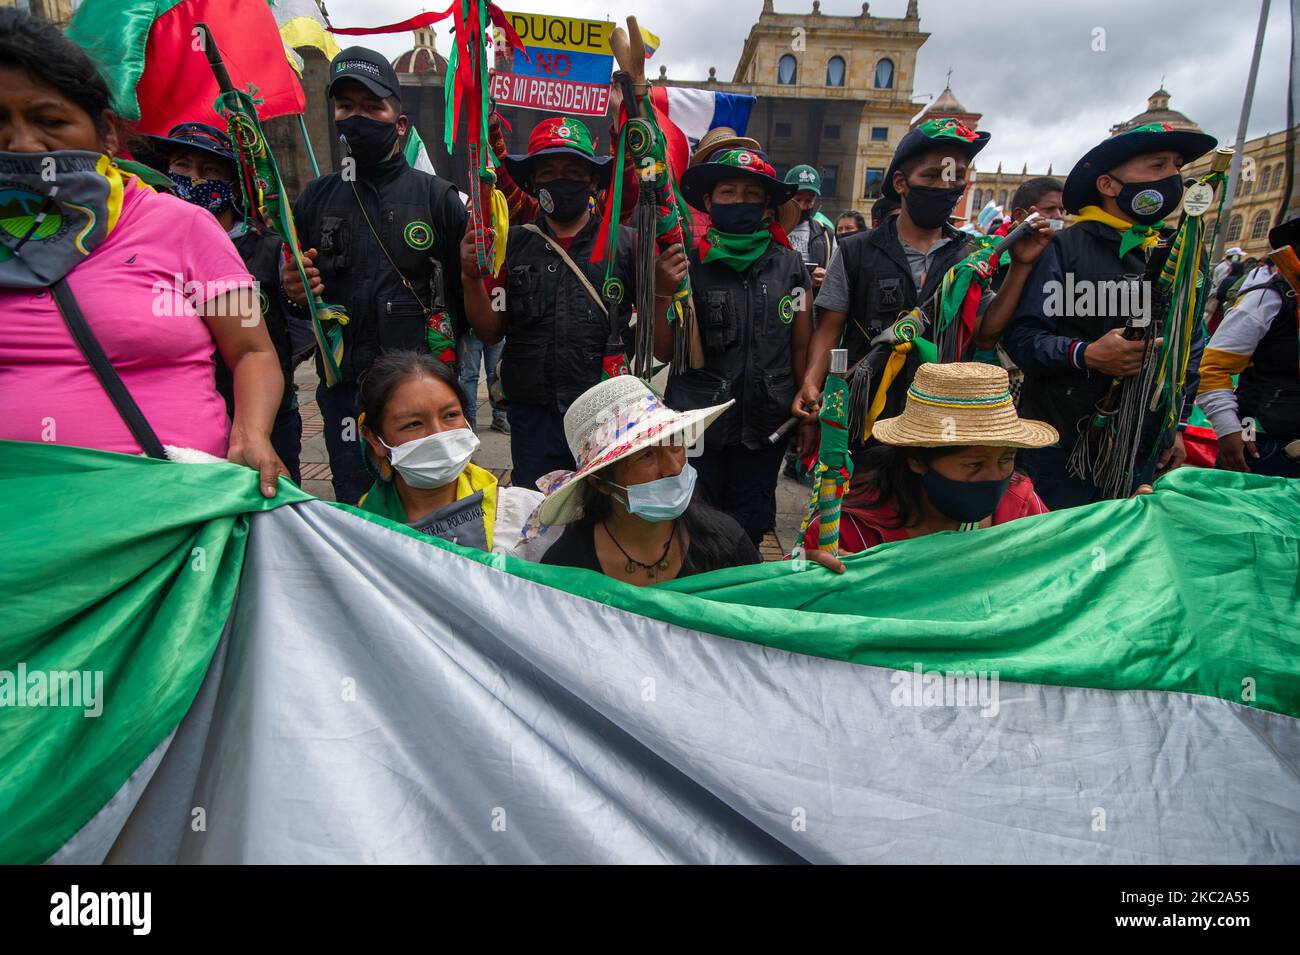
x: 1135, y: 235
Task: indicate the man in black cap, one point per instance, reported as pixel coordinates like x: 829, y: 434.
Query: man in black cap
x: 200, y: 162
x: 1121, y: 191
x: 879, y: 275
x: 382, y: 240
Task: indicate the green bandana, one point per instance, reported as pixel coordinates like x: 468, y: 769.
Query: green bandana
x: 737, y: 251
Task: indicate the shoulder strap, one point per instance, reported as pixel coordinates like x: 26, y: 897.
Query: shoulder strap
x: 573, y: 267
x: 105, y: 372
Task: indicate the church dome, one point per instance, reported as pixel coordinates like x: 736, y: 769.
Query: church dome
x: 1157, y: 111
x: 424, y: 58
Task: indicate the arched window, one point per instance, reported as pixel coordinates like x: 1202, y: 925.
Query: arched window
x: 885, y: 75
x: 1276, y: 181
x: 1234, y: 228
x: 1002, y: 199
x: 835, y: 71
x: 787, y: 70
x: 1259, y: 227
x: 979, y: 199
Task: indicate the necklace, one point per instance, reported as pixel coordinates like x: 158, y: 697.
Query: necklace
x: 651, y: 568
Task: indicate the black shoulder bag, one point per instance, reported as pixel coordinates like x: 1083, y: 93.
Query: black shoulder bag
x: 105, y: 372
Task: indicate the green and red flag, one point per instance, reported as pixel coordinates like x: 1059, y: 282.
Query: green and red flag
x: 151, y: 56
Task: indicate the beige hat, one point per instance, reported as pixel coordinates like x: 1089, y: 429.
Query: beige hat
x: 720, y: 137
x: 609, y: 422
x: 961, y: 404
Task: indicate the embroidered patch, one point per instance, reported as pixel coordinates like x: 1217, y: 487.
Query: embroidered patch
x: 545, y: 201
x: 613, y: 290
x: 418, y: 235
x: 1147, y: 201
x: 785, y: 308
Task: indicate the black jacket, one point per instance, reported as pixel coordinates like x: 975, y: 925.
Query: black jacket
x: 555, y: 332
x: 421, y: 220
x: 261, y: 254
x: 745, y: 321
x: 1044, y: 338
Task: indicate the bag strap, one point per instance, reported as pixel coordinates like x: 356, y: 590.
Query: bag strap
x: 573, y: 267
x: 428, y: 310
x: 105, y: 372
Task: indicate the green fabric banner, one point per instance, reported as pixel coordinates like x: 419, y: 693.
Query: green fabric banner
x: 128, y: 567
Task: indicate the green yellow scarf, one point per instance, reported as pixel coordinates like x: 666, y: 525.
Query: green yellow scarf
x: 1132, y: 234
x: 382, y: 498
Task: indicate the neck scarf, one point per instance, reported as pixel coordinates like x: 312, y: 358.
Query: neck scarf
x: 739, y: 251
x: 55, y: 209
x: 382, y: 498
x: 1132, y: 234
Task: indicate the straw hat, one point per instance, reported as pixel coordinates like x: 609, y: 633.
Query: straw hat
x: 960, y: 404
x: 608, y: 422
x: 718, y: 138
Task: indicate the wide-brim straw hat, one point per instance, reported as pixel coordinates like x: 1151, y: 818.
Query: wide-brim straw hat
x: 608, y: 422
x: 962, y: 404
x: 719, y: 138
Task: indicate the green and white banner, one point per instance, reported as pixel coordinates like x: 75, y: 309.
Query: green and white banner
x: 189, y: 673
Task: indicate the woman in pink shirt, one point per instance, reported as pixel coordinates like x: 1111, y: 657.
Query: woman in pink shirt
x: 159, y: 282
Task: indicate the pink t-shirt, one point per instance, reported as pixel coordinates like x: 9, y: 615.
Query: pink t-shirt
x: 127, y: 289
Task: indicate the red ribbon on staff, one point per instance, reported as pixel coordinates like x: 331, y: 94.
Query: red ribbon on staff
x: 497, y: 17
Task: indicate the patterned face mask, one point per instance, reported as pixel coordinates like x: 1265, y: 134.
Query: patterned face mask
x: 215, y: 195
x: 55, y: 208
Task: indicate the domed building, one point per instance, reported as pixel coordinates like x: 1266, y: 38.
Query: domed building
x: 424, y: 59
x: 1157, y: 111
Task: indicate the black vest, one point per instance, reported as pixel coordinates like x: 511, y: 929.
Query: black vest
x: 556, y: 334
x: 1089, y: 255
x: 1269, y: 389
x: 744, y: 319
x: 881, y: 287
x: 819, y: 243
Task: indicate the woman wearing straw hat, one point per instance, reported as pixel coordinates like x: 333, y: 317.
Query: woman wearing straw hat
x: 946, y: 463
x: 630, y: 507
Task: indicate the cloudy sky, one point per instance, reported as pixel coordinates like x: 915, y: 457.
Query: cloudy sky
x: 1027, y: 65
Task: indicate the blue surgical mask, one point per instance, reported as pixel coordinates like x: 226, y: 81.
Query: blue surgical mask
x: 663, y: 500
x: 963, y: 501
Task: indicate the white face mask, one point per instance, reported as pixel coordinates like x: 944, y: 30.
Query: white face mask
x: 434, y: 460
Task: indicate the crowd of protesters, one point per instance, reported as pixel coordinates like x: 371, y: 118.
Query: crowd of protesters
x: 970, y: 434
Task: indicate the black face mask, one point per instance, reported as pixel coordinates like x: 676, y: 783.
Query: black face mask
x: 929, y: 206
x: 369, y: 141
x: 963, y: 501
x: 1149, y: 202
x: 564, y: 199
x: 738, y: 218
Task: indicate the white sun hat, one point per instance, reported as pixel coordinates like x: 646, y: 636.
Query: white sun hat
x: 608, y: 422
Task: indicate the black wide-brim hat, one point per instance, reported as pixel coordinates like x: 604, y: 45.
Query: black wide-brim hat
x: 1081, y: 184
x: 521, y: 167
x: 931, y: 135
x: 698, y: 181
x: 198, y: 136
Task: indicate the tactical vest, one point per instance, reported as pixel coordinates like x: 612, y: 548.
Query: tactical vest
x: 1269, y: 389
x: 556, y: 334
x: 744, y: 320
x: 1089, y: 256
x: 881, y: 287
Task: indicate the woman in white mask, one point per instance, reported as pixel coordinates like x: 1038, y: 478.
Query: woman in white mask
x: 419, y: 443
x: 631, y: 509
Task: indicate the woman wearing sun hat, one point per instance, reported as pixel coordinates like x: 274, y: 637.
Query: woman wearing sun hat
x: 753, y: 301
x: 946, y: 463
x: 630, y: 508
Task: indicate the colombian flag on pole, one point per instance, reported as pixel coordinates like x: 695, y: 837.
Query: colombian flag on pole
x: 150, y: 54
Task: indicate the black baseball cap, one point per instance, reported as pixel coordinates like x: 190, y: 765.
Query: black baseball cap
x: 370, y: 69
